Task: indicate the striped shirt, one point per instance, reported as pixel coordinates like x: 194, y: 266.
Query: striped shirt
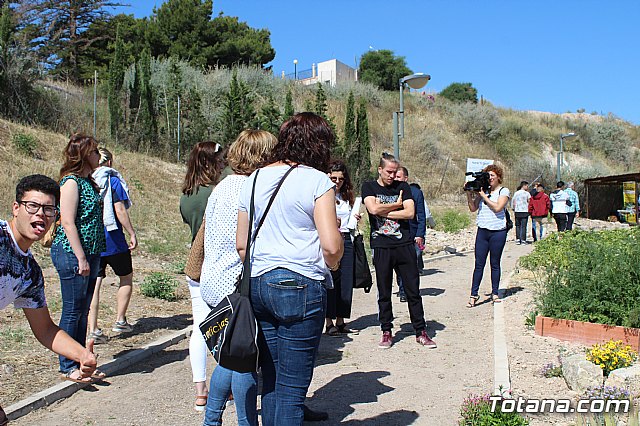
x: 487, y: 218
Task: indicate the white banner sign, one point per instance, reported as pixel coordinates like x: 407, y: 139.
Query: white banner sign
x: 476, y: 165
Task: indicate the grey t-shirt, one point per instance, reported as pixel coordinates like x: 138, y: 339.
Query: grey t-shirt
x: 288, y: 238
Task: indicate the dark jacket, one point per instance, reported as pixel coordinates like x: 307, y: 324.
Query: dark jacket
x: 539, y: 205
x: 418, y: 225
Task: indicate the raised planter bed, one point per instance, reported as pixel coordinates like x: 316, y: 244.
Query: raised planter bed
x: 587, y: 333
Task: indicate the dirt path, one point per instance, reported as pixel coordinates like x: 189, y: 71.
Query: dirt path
x: 357, y: 383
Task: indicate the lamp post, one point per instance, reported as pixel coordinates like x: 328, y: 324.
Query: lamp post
x: 414, y: 81
x: 560, y: 156
x: 295, y: 69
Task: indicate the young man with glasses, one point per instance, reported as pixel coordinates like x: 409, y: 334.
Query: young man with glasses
x: 391, y: 206
x: 21, y: 280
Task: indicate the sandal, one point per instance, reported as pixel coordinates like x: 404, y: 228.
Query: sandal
x: 332, y: 330
x: 201, y: 402
x: 473, y: 300
x: 98, y: 375
x: 78, y: 379
x: 495, y: 298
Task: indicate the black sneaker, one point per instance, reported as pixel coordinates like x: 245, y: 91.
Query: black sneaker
x: 314, y: 416
x: 403, y: 297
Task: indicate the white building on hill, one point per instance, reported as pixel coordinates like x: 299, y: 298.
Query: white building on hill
x: 329, y: 72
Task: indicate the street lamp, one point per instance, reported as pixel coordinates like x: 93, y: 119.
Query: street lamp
x: 414, y: 81
x: 560, y: 156
x: 295, y: 69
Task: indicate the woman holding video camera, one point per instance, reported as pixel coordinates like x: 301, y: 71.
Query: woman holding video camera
x: 492, y: 231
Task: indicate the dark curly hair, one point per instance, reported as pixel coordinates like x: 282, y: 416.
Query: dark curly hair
x: 346, y: 192
x: 40, y: 183
x: 306, y: 138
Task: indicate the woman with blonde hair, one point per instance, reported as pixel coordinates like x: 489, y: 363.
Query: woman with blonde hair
x: 204, y: 167
x: 78, y: 242
x: 222, y: 265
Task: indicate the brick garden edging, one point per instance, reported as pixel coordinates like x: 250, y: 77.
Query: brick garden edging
x: 587, y: 333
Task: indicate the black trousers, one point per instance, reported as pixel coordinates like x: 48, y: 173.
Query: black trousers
x: 403, y: 259
x: 339, y: 298
x: 521, y: 226
x: 561, y: 221
x: 570, y: 218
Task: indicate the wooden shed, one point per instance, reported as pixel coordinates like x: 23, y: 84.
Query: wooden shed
x: 604, y: 196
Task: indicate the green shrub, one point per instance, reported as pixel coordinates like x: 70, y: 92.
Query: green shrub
x: 26, y: 144
x: 451, y: 221
x: 588, y: 276
x: 160, y: 285
x: 476, y: 411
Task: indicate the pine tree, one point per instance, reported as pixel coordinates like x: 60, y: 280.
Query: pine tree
x: 116, y: 79
x: 321, y: 102
x: 270, y: 118
x: 238, y: 111
x: 289, y: 111
x: 349, y: 146
x: 363, y: 144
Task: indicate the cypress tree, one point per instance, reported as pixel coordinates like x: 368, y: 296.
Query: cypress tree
x: 238, y: 111
x: 350, y: 149
x: 147, y: 114
x: 288, y: 105
x: 321, y: 102
x: 116, y: 79
x: 270, y: 118
x: 363, y: 145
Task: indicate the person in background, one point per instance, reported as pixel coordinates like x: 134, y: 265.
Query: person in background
x: 520, y: 206
x: 21, y: 281
x: 391, y: 206
x: 559, y: 206
x: 492, y: 231
x: 340, y: 297
x: 77, y: 244
x: 292, y: 254
x: 222, y: 266
x: 417, y: 225
x: 205, y: 164
x: 116, y: 204
x: 539, y: 207
x: 573, y: 210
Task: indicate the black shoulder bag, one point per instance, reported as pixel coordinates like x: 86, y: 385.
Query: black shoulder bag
x: 507, y: 216
x: 231, y: 330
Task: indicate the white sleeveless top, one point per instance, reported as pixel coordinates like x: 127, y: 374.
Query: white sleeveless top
x: 487, y: 218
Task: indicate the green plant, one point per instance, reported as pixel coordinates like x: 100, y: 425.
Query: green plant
x: 25, y: 144
x: 611, y: 355
x: 530, y: 319
x: 551, y: 370
x: 15, y: 335
x: 160, y: 285
x: 476, y: 411
x: 176, y: 267
x: 451, y: 221
x: 588, y: 276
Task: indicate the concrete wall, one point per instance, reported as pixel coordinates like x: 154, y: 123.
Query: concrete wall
x: 332, y: 72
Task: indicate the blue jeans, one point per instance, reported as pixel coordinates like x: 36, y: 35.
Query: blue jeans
x: 77, y: 292
x: 534, y: 221
x: 290, y: 310
x: 488, y: 242
x: 244, y: 387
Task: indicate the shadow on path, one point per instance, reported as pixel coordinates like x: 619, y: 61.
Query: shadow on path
x: 431, y: 291
x: 150, y: 364
x: 406, y: 330
x: 149, y: 324
x: 339, y: 395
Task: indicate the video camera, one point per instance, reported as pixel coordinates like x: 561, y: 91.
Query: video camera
x: 481, y: 181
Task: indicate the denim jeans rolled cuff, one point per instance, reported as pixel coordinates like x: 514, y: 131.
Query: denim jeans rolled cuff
x: 77, y: 292
x: 488, y: 243
x: 290, y: 309
x: 244, y: 387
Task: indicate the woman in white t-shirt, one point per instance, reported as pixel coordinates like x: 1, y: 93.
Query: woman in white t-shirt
x: 339, y: 298
x: 492, y: 231
x: 291, y: 255
x: 222, y: 265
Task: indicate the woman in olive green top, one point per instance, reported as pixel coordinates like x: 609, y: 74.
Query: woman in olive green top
x: 205, y: 165
x: 78, y: 242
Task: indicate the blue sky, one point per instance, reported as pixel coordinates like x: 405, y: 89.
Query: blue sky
x: 555, y: 56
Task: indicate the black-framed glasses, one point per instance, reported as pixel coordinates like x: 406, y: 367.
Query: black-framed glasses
x: 336, y: 179
x: 32, y: 208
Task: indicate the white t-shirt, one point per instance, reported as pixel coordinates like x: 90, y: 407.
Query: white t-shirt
x: 343, y: 210
x: 21, y: 280
x: 487, y: 218
x: 221, y: 264
x: 288, y: 238
x: 520, y: 202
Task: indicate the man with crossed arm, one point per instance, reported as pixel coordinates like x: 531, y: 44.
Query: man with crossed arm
x: 390, y: 206
x: 21, y: 281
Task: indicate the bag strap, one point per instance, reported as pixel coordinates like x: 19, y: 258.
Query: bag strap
x: 246, y: 267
